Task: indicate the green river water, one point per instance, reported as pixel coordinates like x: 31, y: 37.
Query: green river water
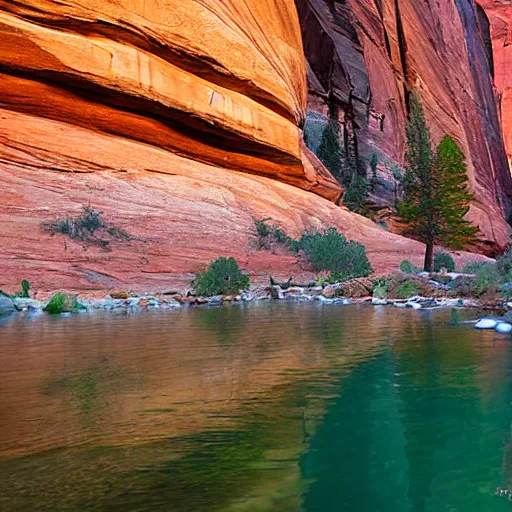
x: 266, y: 407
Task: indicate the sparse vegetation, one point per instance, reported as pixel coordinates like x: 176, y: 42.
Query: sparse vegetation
x: 406, y: 290
x: 86, y: 226
x: 332, y: 252
x: 504, y: 266
x: 407, y: 267
x: 223, y: 276
x: 487, y: 279
x: 25, y: 290
x: 269, y: 236
x: 329, y: 251
x: 472, y: 267
x: 356, y: 194
x: 62, y: 303
x: 374, y: 162
x: 381, y: 288
x: 330, y: 151
x: 443, y: 260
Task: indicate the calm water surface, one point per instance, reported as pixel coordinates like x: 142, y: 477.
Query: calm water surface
x: 271, y: 407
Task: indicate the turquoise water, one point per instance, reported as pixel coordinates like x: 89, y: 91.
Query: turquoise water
x: 267, y: 407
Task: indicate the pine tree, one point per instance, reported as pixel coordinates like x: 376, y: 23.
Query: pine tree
x: 329, y: 151
x: 356, y: 194
x: 452, y: 196
x: 436, y: 195
x: 374, y: 162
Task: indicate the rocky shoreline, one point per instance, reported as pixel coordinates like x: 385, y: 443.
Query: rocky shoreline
x: 325, y: 294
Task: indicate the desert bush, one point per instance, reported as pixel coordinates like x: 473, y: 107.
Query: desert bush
x: 25, y: 290
x: 443, y: 260
x: 487, y: 278
x: 406, y: 290
x: 61, y: 303
x: 332, y: 252
x: 504, y: 266
x: 407, y: 267
x: 381, y: 288
x: 84, y: 226
x: 270, y: 235
x: 223, y: 276
x: 472, y: 267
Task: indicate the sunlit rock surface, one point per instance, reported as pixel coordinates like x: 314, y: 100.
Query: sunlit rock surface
x: 365, y: 56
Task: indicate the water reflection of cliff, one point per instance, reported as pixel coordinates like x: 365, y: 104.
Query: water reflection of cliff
x: 201, y: 409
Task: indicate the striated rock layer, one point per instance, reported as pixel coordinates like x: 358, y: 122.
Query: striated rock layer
x: 180, y: 120
x: 180, y: 214
x: 364, y: 59
x: 499, y: 16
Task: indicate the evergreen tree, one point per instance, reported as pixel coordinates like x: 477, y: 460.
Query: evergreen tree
x: 453, y: 197
x: 329, y: 151
x: 436, y: 195
x: 374, y: 162
x: 356, y: 194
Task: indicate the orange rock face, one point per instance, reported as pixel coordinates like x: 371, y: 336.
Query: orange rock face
x: 180, y: 120
x: 233, y: 97
x: 365, y: 57
x: 499, y: 13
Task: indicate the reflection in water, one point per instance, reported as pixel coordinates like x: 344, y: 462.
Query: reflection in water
x: 272, y: 407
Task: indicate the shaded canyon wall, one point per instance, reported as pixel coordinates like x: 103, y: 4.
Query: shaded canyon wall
x: 364, y: 59
x: 499, y: 16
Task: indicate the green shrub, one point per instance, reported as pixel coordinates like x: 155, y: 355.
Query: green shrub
x: 504, y: 265
x: 472, y: 267
x: 80, y: 227
x: 406, y: 291
x: 269, y: 235
x: 223, y: 276
x: 25, y: 289
x: 61, y: 303
x: 487, y: 278
x: 443, y: 260
x: 407, y: 267
x: 330, y: 251
x: 85, y: 225
x: 381, y: 288
x: 356, y: 194
x: 262, y: 229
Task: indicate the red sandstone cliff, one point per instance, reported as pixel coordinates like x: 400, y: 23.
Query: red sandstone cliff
x: 499, y: 16
x: 364, y: 58
x: 181, y: 121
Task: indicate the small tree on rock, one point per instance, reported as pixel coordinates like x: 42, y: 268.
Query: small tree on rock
x: 436, y: 194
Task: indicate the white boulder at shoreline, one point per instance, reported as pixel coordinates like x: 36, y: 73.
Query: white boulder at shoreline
x: 498, y: 325
x: 486, y: 323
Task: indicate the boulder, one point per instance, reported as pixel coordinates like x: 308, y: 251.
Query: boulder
x: 119, y: 294
x: 504, y: 328
x: 6, y: 305
x: 329, y: 292
x: 486, y: 323
x: 357, y: 288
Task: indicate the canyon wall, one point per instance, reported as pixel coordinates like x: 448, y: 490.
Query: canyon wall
x: 364, y: 59
x: 499, y: 16
x: 181, y: 121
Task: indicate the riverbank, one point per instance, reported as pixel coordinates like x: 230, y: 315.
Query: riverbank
x: 397, y: 290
